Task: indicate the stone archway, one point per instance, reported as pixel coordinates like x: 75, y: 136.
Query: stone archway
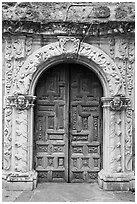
x: 69, y: 48
x: 117, y: 165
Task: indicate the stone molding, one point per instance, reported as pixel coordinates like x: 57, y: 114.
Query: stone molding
x: 68, y: 47
x: 116, y: 103
x: 69, y: 28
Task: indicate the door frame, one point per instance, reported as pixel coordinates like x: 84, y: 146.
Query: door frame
x: 117, y: 165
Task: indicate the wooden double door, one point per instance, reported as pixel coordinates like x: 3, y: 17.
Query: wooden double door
x: 68, y: 125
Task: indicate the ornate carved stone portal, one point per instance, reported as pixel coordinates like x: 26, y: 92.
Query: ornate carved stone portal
x: 19, y: 101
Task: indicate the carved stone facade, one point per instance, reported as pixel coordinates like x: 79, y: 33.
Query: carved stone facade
x: 111, y: 58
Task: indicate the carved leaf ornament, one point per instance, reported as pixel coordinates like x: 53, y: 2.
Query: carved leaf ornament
x: 68, y: 47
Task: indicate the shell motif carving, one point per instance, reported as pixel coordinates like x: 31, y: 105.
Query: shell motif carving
x: 69, y: 45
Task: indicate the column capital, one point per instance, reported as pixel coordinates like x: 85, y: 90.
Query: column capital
x: 21, y: 101
x: 115, y: 103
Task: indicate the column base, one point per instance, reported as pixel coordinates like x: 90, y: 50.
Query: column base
x: 116, y: 181
x: 20, y: 181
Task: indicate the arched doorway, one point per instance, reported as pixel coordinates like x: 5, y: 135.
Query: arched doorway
x: 68, y: 144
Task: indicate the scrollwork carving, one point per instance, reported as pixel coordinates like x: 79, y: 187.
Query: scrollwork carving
x: 18, y: 47
x: 21, y: 150
x: 112, y: 47
x: 28, y: 47
x: 128, y: 139
x: 108, y: 67
x: 115, y: 142
x: 121, y: 48
x: 70, y: 46
x: 7, y: 137
x: 8, y: 49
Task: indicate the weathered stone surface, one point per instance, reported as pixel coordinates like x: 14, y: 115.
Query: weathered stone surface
x: 71, y: 11
x: 19, y: 186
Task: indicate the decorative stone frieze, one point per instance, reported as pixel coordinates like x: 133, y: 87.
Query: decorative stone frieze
x: 69, y: 28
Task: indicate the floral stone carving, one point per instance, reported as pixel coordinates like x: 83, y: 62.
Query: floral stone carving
x: 69, y: 44
x: 8, y: 138
x: 67, y: 47
x: 16, y: 130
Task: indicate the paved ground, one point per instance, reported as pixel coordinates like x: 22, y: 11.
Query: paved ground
x: 61, y: 192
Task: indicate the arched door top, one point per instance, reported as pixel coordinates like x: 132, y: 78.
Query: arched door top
x: 70, y: 48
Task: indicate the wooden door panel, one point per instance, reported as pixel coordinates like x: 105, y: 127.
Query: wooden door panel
x: 68, y: 125
x: 51, y: 132
x: 85, y: 120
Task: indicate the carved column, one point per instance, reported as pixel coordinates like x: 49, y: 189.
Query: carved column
x: 16, y: 143
x: 116, y: 151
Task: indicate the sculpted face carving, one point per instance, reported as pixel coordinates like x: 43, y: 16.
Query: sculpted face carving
x: 116, y: 103
x: 21, y: 102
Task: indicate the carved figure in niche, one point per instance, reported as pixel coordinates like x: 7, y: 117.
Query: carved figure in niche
x: 21, y: 102
x: 116, y: 103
